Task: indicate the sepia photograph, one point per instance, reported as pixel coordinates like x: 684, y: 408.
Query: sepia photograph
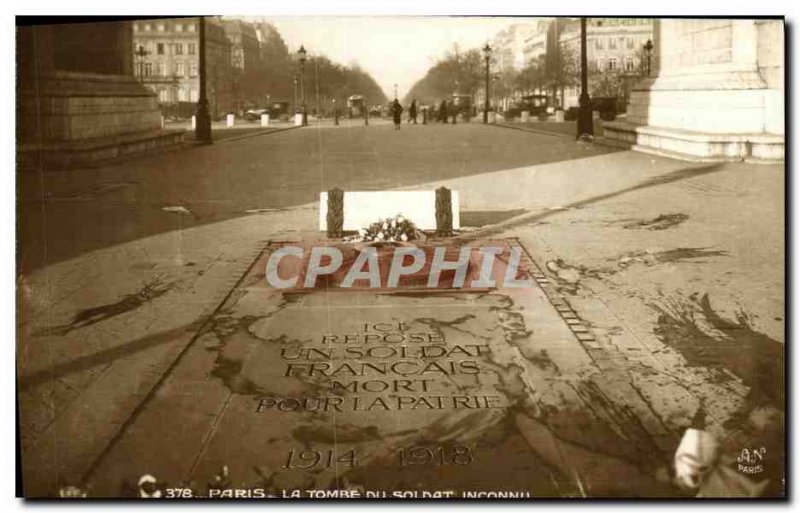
x: 270, y: 257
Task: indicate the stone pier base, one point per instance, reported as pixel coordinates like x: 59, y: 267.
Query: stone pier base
x: 74, y: 119
x: 695, y: 146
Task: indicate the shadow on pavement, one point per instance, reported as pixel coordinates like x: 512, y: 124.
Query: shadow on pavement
x: 524, y: 220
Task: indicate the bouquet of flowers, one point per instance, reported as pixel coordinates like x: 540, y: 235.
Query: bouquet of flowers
x: 391, y: 229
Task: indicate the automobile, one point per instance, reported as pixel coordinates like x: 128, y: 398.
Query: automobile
x: 463, y: 105
x: 254, y: 114
x: 536, y: 105
x: 571, y: 114
x: 355, y: 106
x: 606, y: 106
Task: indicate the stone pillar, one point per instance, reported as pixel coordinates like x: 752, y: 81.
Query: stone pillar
x: 707, y: 99
x: 77, y: 99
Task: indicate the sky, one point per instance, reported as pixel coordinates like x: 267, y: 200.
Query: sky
x: 394, y: 50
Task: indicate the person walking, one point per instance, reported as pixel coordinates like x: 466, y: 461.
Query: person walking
x: 397, y: 112
x: 412, y: 112
x: 453, y: 111
x: 443, y: 112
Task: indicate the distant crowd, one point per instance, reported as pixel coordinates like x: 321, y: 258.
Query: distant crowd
x: 445, y: 112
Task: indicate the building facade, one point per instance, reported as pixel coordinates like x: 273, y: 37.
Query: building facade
x: 508, y: 46
x: 167, y: 60
x: 613, y: 46
x: 534, y: 46
x: 247, y: 72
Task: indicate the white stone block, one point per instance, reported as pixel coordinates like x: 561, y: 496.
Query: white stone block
x: 265, y: 120
x: 773, y: 112
x: 298, y: 119
x: 194, y: 122
x: 230, y: 120
x: 525, y: 116
x: 361, y: 208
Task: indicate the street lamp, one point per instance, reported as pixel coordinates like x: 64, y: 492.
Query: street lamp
x: 585, y: 128
x: 140, y: 53
x: 202, y: 131
x: 335, y: 113
x: 487, y: 55
x: 301, y: 56
x: 495, y: 78
x: 648, y: 53
x: 294, y: 81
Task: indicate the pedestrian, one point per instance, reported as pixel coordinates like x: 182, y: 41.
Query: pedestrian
x: 412, y: 112
x: 453, y: 111
x: 397, y: 112
x: 443, y: 112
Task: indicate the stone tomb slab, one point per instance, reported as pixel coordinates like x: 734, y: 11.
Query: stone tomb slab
x: 367, y: 393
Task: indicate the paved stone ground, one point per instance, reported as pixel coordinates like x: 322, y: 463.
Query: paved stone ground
x: 676, y: 269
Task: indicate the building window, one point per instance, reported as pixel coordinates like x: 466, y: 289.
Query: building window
x: 160, y: 27
x: 630, y: 67
x: 193, y: 69
x: 190, y: 27
x: 612, y: 44
x: 160, y: 69
x: 136, y: 27
x: 160, y: 48
x: 147, y: 27
x: 183, y: 95
x: 148, y: 69
x: 178, y: 27
x: 180, y: 69
x: 629, y: 43
x: 598, y: 43
x: 163, y: 95
x: 599, y: 64
x: 194, y: 95
x: 612, y: 64
x: 192, y: 48
x: 178, y: 48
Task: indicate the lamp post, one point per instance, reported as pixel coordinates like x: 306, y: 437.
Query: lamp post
x: 487, y: 55
x: 335, y: 113
x: 585, y: 128
x: 175, y: 86
x: 648, y: 54
x: 294, y: 81
x: 202, y: 131
x: 395, y: 91
x: 301, y: 56
x: 495, y: 78
x: 140, y: 54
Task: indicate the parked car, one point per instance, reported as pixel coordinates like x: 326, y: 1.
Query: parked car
x: 571, y: 114
x: 254, y: 114
x: 606, y: 106
x: 463, y: 105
